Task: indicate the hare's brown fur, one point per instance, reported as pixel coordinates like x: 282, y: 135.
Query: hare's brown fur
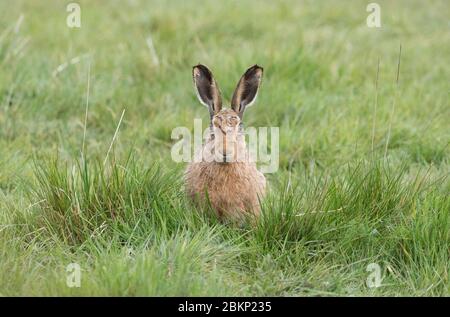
x: 232, y: 186
x: 233, y: 189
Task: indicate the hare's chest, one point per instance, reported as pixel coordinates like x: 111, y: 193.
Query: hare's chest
x: 228, y: 188
x: 230, y: 179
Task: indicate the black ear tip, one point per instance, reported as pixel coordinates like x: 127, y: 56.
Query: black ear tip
x: 256, y: 66
x: 254, y: 70
x: 201, y: 69
x: 198, y: 67
x: 201, y: 66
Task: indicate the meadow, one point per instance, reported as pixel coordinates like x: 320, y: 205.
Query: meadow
x: 86, y: 175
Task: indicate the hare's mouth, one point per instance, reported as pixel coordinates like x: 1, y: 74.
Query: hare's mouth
x: 224, y: 158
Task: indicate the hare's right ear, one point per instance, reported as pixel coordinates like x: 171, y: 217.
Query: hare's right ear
x: 207, y: 90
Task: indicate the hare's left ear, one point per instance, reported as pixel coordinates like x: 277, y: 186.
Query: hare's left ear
x: 247, y: 89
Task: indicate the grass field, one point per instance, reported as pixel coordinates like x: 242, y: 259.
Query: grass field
x: 364, y: 163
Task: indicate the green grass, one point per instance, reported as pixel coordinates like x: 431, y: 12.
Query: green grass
x: 348, y: 192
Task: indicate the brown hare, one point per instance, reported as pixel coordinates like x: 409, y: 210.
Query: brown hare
x: 230, y: 182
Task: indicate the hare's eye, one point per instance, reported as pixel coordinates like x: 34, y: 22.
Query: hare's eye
x: 217, y: 121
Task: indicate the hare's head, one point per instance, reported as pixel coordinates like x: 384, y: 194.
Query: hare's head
x: 226, y: 124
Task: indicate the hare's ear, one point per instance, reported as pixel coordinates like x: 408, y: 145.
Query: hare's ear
x: 207, y: 90
x: 247, y: 89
